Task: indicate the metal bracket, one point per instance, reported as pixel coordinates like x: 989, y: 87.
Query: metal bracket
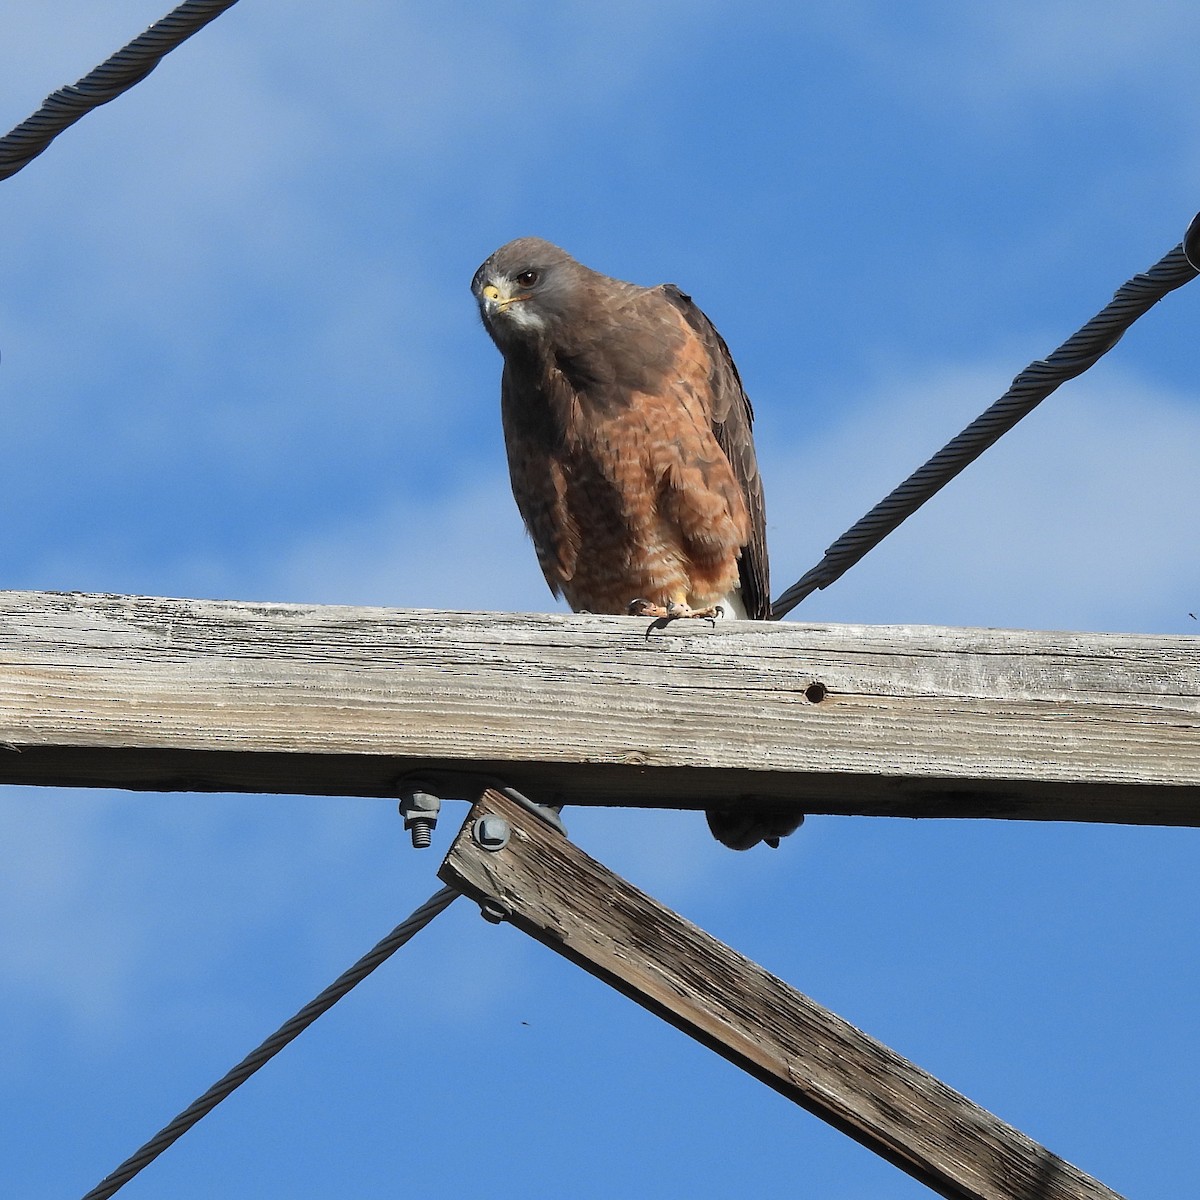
x: 493, y: 913
x: 421, y: 794
x: 547, y: 812
x: 492, y: 832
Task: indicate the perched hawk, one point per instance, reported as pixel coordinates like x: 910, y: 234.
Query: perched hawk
x: 630, y: 451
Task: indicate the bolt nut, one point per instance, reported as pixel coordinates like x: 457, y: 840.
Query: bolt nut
x: 420, y: 812
x: 491, y: 832
x: 419, y: 804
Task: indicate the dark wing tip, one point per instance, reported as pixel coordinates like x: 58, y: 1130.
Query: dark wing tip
x: 732, y: 425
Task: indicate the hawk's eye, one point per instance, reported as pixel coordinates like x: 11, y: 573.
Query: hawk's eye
x: 528, y: 278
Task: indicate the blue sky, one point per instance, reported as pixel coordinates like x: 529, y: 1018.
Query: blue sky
x: 239, y: 359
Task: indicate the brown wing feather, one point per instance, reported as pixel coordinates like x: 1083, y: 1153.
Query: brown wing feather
x: 538, y: 484
x: 732, y: 419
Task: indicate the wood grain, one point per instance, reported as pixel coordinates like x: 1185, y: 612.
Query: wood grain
x: 198, y: 695
x: 553, y: 891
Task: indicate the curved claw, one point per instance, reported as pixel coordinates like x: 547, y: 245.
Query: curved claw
x: 673, y: 610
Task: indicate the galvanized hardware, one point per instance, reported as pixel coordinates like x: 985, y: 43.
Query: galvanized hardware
x: 492, y: 912
x: 545, y: 812
x: 491, y: 832
x: 420, y: 812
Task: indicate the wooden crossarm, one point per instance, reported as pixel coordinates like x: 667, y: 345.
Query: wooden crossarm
x: 141, y: 692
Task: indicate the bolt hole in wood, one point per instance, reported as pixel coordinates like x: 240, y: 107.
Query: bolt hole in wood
x: 815, y: 692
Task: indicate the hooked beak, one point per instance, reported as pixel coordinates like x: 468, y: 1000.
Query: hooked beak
x: 495, y: 300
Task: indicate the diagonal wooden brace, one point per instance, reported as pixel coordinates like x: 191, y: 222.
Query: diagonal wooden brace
x: 521, y: 869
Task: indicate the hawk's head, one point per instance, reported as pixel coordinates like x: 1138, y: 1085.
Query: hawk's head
x: 528, y: 290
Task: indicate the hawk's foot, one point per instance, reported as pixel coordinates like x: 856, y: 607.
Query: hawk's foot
x: 672, y: 611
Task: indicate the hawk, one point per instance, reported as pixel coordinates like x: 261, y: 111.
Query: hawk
x: 629, y: 446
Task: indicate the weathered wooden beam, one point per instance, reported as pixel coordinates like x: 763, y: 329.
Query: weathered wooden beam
x: 550, y: 889
x: 907, y: 721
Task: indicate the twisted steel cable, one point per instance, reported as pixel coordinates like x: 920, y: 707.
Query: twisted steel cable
x: 169, y: 1134
x: 1029, y: 389
x: 118, y: 74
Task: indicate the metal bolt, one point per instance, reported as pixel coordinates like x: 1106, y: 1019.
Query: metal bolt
x: 491, y: 832
x: 492, y: 912
x: 420, y: 812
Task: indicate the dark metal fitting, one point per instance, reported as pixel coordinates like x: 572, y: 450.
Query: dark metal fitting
x: 420, y: 812
x: 545, y: 812
x: 491, y: 832
x: 492, y: 912
x: 1191, y: 242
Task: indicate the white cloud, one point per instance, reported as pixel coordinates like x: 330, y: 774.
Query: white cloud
x: 465, y: 549
x: 1084, y: 516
